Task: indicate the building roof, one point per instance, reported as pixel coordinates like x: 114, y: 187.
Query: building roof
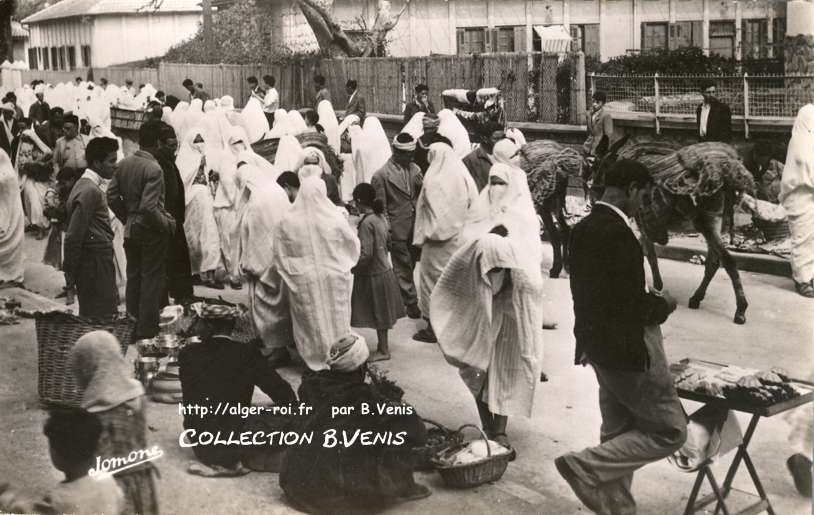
x: 72, y: 8
x: 17, y: 30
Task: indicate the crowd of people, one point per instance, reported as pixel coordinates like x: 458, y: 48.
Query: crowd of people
x: 324, y: 249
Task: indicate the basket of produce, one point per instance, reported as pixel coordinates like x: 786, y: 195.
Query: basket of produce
x: 127, y: 119
x: 438, y: 439
x: 469, y: 464
x: 57, y: 333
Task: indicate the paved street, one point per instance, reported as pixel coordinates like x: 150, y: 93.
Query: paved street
x: 566, y: 416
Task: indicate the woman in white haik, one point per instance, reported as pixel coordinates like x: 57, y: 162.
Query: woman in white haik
x: 327, y: 118
x: 452, y: 129
x: 254, y: 120
x: 442, y: 209
x: 487, y: 308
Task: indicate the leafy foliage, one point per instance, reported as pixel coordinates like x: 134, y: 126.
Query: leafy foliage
x: 241, y: 36
x: 681, y: 61
x: 26, y: 8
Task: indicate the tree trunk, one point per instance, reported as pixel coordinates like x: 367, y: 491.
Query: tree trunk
x: 6, y: 41
x: 334, y: 42
x: 206, y: 6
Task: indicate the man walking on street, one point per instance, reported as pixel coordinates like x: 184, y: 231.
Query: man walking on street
x: 617, y: 332
x: 179, y: 270
x: 88, y: 264
x: 136, y: 195
x: 397, y: 185
x: 714, y: 118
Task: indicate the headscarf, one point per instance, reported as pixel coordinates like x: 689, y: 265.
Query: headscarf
x: 227, y: 103
x: 347, y: 122
x: 296, y: 123
x: 209, y: 106
x: 289, y: 154
x: 192, y: 116
x: 12, y: 223
x: 511, y: 206
x: 799, y: 169
x: 446, y: 197
x: 314, y: 252
x: 102, y: 372
x: 317, y: 153
x: 517, y: 136
x: 189, y: 158
x: 309, y: 171
x: 262, y: 205
x: 282, y: 126
x: 248, y: 155
x: 452, y: 129
x: 505, y: 151
x: 254, y: 120
x: 415, y: 127
x: 177, y: 119
x: 327, y: 118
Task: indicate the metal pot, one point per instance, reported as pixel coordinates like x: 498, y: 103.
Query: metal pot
x: 146, y: 368
x: 148, y: 347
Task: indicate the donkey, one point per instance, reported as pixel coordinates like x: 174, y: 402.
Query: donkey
x: 706, y: 215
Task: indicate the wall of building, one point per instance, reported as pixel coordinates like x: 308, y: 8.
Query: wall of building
x: 122, y: 39
x: 428, y: 26
x: 20, y: 50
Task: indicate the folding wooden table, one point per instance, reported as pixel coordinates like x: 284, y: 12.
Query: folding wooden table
x: 720, y: 493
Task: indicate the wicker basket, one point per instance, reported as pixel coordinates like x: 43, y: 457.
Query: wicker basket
x: 423, y: 456
x: 267, y: 149
x: 57, y: 333
x: 473, y: 474
x: 773, y: 230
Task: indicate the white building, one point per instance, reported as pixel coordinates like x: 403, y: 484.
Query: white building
x: 83, y: 33
x: 19, y: 37
x: 602, y: 28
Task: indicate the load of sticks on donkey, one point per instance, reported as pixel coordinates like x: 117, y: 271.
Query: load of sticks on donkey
x: 700, y: 183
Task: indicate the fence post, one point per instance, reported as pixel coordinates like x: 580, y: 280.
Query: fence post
x: 746, y: 105
x: 658, y: 102
x: 579, y: 106
x: 593, y: 84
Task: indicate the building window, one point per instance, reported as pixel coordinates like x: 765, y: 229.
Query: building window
x: 55, y: 58
x: 654, y: 36
x: 686, y: 34
x: 585, y: 38
x: 722, y: 38
x: 71, y: 51
x: 778, y: 35
x: 86, y: 56
x: 32, y: 59
x: 505, y: 39
x: 46, y: 61
x: 471, y: 40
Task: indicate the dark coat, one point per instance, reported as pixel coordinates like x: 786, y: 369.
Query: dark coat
x: 413, y: 108
x: 174, y: 197
x: 611, y: 307
x: 399, y: 198
x: 719, y: 123
x: 356, y: 106
x: 478, y: 164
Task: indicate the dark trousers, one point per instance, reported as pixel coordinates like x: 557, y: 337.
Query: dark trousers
x: 96, y: 282
x: 146, y: 280
x: 179, y: 270
x: 404, y: 259
x: 270, y: 119
x: 642, y: 422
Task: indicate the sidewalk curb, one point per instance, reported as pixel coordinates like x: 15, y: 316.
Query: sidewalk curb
x: 760, y: 263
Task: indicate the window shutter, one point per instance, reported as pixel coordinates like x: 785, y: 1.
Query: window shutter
x: 672, y: 39
x: 459, y: 33
x: 591, y: 35
x: 494, y: 36
x: 520, y: 39
x: 697, y: 36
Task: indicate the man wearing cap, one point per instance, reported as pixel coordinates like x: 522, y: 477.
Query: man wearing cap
x: 480, y: 160
x: 430, y: 136
x: 40, y: 110
x: 420, y: 104
x: 219, y: 369
x: 397, y: 185
x: 9, y: 127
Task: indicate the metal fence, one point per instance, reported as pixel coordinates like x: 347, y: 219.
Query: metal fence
x: 750, y: 97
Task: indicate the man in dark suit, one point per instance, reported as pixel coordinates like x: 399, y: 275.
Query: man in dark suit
x: 136, y: 196
x: 356, y: 102
x: 420, y: 104
x: 179, y: 270
x: 713, y: 117
x: 397, y: 185
x: 617, y: 332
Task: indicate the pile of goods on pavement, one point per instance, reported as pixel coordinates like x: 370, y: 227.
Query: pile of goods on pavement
x: 758, y: 387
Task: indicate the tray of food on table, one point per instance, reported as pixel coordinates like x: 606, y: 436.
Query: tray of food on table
x: 761, y: 392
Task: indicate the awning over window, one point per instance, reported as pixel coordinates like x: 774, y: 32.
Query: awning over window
x: 553, y: 38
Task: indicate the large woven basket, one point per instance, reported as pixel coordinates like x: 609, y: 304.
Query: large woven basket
x: 57, y: 333
x: 469, y: 475
x: 655, y: 216
x: 773, y: 230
